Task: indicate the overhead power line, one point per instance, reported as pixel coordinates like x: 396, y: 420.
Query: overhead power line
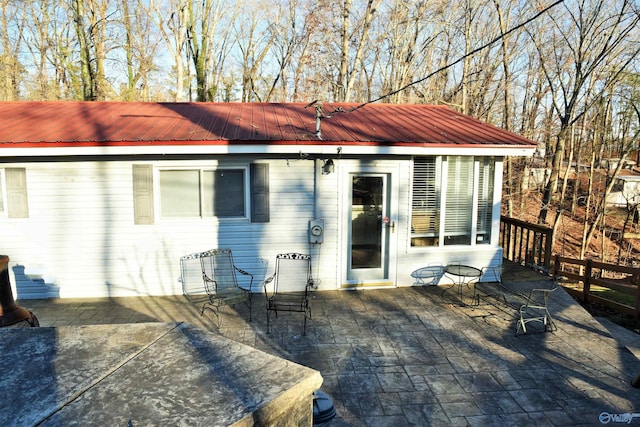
x: 451, y: 64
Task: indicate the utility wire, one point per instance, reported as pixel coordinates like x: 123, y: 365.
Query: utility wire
x: 451, y: 64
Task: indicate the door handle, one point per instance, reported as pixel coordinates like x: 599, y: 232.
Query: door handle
x: 389, y: 223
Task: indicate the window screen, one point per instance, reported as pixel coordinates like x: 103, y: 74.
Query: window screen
x: 223, y: 193
x: 180, y: 193
x: 202, y: 193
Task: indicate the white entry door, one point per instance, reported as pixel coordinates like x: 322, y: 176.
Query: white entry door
x: 369, y: 224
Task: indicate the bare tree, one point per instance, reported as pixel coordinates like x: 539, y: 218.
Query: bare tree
x: 405, y: 34
x: 171, y: 19
x: 208, y: 39
x: 359, y: 37
x: 10, y: 66
x: 592, y: 34
x: 91, y: 18
x: 140, y: 47
x: 291, y: 34
x: 255, y: 35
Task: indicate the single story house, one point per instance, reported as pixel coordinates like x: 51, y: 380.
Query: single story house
x: 105, y: 198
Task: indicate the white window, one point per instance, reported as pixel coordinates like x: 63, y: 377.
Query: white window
x: 486, y: 174
x: 452, y: 200
x: 220, y: 193
x: 425, y: 203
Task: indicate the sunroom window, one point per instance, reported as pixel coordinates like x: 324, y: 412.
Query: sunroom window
x: 203, y: 193
x: 452, y: 200
x: 425, y: 204
x: 485, y: 199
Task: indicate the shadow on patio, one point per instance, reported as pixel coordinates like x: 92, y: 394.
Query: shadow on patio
x: 407, y: 357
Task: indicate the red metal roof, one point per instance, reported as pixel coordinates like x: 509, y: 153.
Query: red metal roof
x: 37, y: 124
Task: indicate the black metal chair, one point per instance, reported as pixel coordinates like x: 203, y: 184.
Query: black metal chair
x: 289, y: 287
x: 220, y: 282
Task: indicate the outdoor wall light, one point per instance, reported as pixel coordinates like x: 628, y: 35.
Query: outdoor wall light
x: 328, y: 167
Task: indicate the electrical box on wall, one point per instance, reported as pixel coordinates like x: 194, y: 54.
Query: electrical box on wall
x: 316, y: 231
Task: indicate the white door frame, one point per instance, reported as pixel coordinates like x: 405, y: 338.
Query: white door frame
x: 392, y: 171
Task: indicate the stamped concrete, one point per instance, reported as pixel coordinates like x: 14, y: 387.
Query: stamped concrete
x: 405, y: 356
x: 146, y: 374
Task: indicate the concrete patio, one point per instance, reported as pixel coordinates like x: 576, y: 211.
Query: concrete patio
x: 405, y: 356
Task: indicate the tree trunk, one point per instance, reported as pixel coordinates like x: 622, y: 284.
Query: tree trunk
x: 343, y: 70
x: 86, y: 73
x: 585, y: 232
x: 552, y: 184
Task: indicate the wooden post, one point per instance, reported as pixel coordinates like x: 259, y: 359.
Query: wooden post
x: 548, y: 248
x: 586, y: 280
x: 636, y: 283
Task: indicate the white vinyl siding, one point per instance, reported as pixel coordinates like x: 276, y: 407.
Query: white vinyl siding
x: 81, y: 235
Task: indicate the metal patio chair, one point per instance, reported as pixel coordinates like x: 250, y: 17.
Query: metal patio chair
x: 220, y: 282
x: 536, y: 309
x: 429, y: 275
x: 290, y: 287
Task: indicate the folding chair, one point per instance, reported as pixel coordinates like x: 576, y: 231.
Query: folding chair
x: 536, y: 309
x: 220, y: 282
x: 290, y: 285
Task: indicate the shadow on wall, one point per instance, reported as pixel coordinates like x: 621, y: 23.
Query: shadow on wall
x: 32, y: 287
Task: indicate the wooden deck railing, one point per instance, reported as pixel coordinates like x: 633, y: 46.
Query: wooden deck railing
x: 622, y: 280
x: 526, y: 243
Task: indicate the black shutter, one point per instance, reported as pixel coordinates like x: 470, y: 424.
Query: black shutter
x: 259, y: 192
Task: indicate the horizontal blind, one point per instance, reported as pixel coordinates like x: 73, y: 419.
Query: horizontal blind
x: 485, y: 199
x: 459, y: 194
x: 425, y: 203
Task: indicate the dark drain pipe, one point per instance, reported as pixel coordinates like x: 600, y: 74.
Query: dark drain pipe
x: 10, y: 312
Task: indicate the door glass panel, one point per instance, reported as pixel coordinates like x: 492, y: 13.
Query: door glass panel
x: 366, y: 221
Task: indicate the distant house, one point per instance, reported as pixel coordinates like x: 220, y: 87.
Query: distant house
x: 103, y: 199
x: 626, y: 191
